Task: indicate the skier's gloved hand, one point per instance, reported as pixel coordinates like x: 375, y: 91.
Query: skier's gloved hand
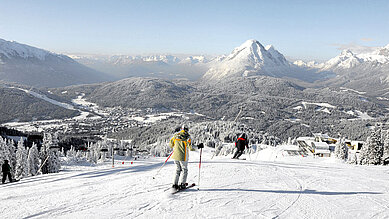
x: 201, y: 145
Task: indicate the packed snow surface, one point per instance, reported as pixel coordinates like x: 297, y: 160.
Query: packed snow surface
x: 363, y: 115
x: 317, y: 104
x: 266, y: 185
x: 45, y: 98
x: 349, y: 89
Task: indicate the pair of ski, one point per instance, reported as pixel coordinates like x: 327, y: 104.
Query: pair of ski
x: 13, y: 181
x: 174, y: 191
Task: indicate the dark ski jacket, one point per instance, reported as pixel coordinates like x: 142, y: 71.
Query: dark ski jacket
x: 6, y: 168
x: 242, y: 143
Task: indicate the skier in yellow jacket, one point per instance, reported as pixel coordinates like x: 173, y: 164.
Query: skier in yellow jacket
x: 181, y: 144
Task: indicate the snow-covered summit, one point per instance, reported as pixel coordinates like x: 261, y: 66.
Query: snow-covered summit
x: 384, y: 51
x: 250, y: 58
x: 348, y: 59
x: 279, y: 58
x: 191, y: 60
x: 32, y: 66
x: 12, y: 49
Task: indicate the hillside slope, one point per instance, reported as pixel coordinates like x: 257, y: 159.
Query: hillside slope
x: 18, y: 105
x: 28, y: 65
x: 281, y: 188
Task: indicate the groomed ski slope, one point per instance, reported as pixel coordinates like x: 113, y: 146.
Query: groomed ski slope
x: 282, y: 187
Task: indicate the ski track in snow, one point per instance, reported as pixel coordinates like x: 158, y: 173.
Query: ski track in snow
x: 296, y: 188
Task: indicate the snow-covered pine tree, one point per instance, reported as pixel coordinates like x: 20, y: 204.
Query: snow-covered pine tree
x: 103, y: 155
x: 4, y: 152
x: 43, y: 154
x: 88, y: 156
x: 385, y: 154
x: 62, y: 152
x: 372, y: 151
x: 79, y: 155
x: 53, y: 163
x: 376, y: 152
x: 21, y: 161
x: 71, y: 155
x: 95, y: 152
x: 341, y: 149
x: 12, y: 155
x: 353, y: 159
x: 363, y: 153
x: 33, y: 161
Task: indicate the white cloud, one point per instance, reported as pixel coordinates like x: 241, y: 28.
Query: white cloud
x: 356, y: 48
x: 367, y: 39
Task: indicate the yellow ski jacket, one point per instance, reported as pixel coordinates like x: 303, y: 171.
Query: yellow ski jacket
x: 180, y: 143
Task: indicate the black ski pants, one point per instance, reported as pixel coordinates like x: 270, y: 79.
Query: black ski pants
x: 238, y: 153
x: 5, y: 174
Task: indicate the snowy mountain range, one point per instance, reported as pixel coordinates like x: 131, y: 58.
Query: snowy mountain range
x: 250, y: 59
x: 367, y: 72
x: 159, y: 66
x: 37, y: 67
x: 128, y: 59
x: 348, y: 60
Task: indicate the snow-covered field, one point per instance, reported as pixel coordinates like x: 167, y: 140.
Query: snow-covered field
x: 45, y: 98
x: 282, y: 187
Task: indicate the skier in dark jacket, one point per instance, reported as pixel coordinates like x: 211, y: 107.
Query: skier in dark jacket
x: 241, y: 143
x: 6, y: 169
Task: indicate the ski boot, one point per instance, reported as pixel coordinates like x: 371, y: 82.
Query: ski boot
x: 175, y: 187
x: 183, y: 186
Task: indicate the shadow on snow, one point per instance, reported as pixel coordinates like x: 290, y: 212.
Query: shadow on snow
x: 93, y: 174
x: 307, y: 191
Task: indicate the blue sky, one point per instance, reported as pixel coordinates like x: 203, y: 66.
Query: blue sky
x: 299, y: 29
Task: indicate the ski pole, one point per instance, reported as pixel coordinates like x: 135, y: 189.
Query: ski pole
x: 201, y: 151
x: 162, y: 165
